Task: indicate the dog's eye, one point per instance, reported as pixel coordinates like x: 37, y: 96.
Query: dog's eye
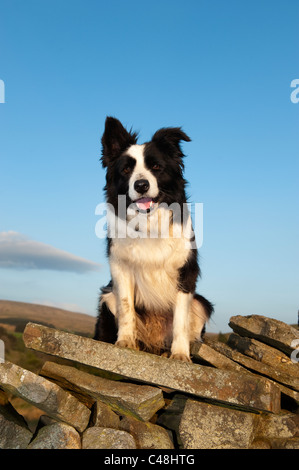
x: 156, y: 167
x: 126, y: 170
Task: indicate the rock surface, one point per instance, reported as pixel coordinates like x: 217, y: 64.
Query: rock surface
x: 214, y: 384
x: 284, y: 426
x: 142, y: 401
x: 202, y: 427
x: 172, y: 415
x: 257, y: 366
x: 56, y: 436
x: 220, y: 402
x: 254, y: 367
x: 146, y: 435
x: 14, y: 432
x: 104, y: 416
x: 107, y: 438
x: 285, y: 443
x: 265, y: 354
x: 204, y: 352
x: 44, y: 394
x: 270, y: 331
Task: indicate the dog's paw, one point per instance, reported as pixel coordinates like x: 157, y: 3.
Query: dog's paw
x: 126, y: 343
x: 180, y: 357
x: 165, y: 354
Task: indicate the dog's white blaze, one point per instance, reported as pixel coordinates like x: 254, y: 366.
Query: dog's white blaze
x: 141, y: 172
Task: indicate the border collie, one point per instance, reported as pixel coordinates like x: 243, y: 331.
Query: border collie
x: 150, y: 303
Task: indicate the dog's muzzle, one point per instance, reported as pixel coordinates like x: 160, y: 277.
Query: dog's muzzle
x: 141, y: 186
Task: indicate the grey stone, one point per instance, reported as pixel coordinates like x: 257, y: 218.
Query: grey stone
x: 44, y: 420
x: 44, y: 394
x: 141, y: 401
x: 170, y: 417
x: 285, y: 443
x: 235, y: 388
x: 205, y: 426
x: 107, y: 438
x: 56, y: 436
x: 268, y: 330
x: 14, y: 431
x: 146, y: 435
x: 204, y: 352
x: 284, y: 425
x: 260, y: 443
x: 264, y: 353
x: 264, y: 369
x: 255, y: 367
x: 104, y: 416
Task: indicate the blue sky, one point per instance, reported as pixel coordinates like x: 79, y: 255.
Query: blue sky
x: 222, y: 70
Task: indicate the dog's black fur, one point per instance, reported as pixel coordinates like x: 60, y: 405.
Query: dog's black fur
x: 162, y: 160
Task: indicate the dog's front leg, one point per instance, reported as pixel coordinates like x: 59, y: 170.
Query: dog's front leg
x: 123, y: 288
x: 180, y: 348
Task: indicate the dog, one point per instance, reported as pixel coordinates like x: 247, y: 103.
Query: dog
x: 150, y: 302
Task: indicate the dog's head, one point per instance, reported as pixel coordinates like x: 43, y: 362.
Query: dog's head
x: 147, y: 174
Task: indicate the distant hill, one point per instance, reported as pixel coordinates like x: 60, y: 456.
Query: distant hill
x: 19, y: 313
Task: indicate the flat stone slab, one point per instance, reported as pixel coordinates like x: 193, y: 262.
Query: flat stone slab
x: 269, y: 356
x: 235, y: 388
x: 259, y: 367
x: 268, y: 330
x: 204, y: 352
x: 255, y: 367
x: 205, y: 426
x: 141, y: 401
x: 44, y: 394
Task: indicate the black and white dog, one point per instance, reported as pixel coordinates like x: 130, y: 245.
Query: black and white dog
x: 150, y: 303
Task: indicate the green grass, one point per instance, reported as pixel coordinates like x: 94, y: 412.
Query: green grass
x: 15, y: 351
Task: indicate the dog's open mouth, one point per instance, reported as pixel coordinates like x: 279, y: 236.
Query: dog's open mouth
x: 145, y: 204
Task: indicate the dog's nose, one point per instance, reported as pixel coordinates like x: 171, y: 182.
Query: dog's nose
x: 141, y: 186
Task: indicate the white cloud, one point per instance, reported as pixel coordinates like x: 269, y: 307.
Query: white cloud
x: 19, y: 252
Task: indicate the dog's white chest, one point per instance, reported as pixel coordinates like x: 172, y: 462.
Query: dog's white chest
x: 153, y: 265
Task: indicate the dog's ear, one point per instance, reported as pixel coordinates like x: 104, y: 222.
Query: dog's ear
x: 168, y: 140
x: 115, y: 140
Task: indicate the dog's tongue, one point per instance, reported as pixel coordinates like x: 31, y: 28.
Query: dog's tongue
x: 144, y: 203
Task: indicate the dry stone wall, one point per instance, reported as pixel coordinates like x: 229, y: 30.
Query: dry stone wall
x: 239, y: 395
